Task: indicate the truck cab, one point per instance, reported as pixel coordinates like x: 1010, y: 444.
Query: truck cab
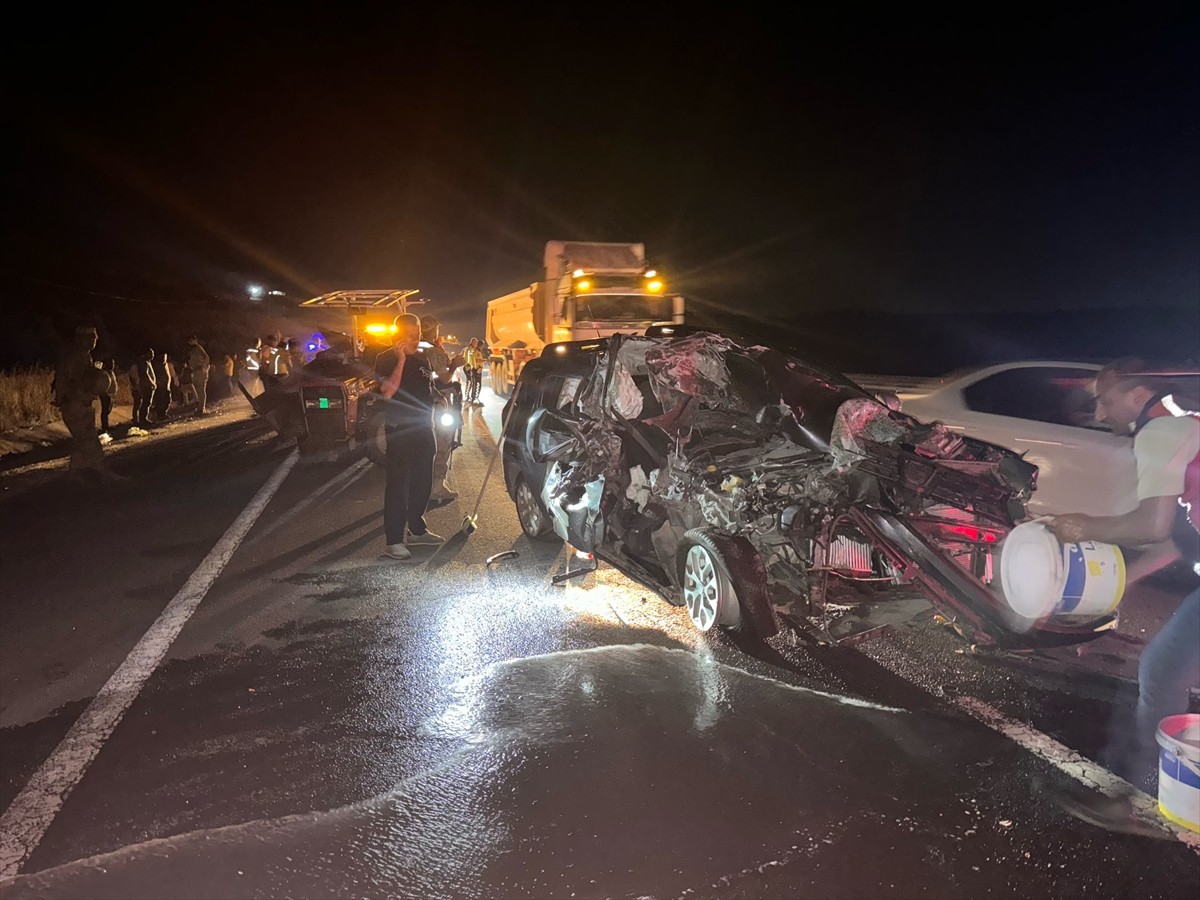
x: 588, y: 290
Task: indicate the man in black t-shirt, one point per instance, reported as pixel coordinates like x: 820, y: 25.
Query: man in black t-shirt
x: 404, y: 381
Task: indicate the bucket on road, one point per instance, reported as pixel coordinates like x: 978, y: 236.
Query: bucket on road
x: 1179, y: 769
x: 1039, y: 577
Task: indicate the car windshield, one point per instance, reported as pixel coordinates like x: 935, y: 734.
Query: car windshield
x: 669, y: 383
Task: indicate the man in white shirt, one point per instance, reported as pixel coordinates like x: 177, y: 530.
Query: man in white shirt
x: 1166, y: 444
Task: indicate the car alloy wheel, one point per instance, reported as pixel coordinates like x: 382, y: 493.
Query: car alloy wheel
x: 708, y: 593
x: 533, y: 521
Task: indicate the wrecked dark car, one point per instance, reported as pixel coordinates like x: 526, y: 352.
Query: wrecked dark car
x: 329, y: 406
x: 753, y: 488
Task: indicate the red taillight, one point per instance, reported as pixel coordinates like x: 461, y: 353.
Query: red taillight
x: 974, y: 534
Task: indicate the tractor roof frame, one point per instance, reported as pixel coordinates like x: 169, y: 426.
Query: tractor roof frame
x: 361, y: 302
x: 364, y: 299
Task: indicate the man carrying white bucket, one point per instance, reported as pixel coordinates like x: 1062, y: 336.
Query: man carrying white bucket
x: 1166, y: 444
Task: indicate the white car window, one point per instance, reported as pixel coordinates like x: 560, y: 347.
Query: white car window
x: 1057, y: 395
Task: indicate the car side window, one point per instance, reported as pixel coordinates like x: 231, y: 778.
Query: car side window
x: 549, y: 435
x: 551, y: 388
x: 1058, y: 396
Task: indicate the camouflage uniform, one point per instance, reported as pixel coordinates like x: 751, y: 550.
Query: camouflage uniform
x: 75, y: 393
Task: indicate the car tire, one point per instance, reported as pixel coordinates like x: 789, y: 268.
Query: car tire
x: 723, y: 583
x: 535, y: 521
x: 376, y: 438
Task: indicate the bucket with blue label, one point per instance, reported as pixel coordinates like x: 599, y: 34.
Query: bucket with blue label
x: 1042, y: 578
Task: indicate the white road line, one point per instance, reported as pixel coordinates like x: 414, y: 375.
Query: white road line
x: 26, y: 820
x: 1066, y: 760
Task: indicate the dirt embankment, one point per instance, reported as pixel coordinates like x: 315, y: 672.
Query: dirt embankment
x: 27, y: 398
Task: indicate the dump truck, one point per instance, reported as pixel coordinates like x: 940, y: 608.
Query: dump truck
x: 588, y: 289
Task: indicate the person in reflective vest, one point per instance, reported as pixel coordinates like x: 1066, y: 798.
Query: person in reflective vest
x: 1166, y: 446
x: 249, y: 378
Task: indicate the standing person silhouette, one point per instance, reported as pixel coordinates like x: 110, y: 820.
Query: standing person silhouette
x: 404, y: 382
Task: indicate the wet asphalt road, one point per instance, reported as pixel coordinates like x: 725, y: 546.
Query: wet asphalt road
x: 331, y: 723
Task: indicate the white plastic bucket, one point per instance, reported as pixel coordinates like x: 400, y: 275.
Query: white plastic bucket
x: 1039, y: 577
x: 1179, y: 769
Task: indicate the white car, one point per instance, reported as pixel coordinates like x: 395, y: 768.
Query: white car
x: 1044, y: 410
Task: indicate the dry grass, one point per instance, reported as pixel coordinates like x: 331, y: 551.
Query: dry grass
x: 25, y: 398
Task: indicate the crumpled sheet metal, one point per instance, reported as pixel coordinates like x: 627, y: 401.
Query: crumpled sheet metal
x: 565, y: 493
x: 692, y: 366
x: 859, y: 420
x: 603, y: 453
x: 623, y: 395
x: 864, y: 421
x: 641, y: 487
x: 940, y: 442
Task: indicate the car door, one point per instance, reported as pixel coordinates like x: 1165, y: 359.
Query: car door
x: 569, y: 497
x: 1045, y: 413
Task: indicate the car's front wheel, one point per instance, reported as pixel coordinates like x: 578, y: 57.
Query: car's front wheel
x: 534, y: 520
x: 708, y: 591
x: 723, y: 583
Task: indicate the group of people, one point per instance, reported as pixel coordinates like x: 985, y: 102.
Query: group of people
x: 157, y: 381
x: 475, y: 357
x: 268, y: 361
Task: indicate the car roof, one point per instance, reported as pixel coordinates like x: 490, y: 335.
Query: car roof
x: 974, y: 373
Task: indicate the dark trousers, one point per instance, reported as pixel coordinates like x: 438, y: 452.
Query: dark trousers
x: 409, y: 472
x: 162, y: 402
x: 106, y: 403
x: 1169, y: 665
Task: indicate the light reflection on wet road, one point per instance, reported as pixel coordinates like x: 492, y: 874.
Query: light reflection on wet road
x: 626, y: 771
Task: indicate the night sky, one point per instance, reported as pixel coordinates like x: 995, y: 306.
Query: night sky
x: 1011, y: 159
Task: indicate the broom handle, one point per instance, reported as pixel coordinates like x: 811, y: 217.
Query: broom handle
x: 486, y: 476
